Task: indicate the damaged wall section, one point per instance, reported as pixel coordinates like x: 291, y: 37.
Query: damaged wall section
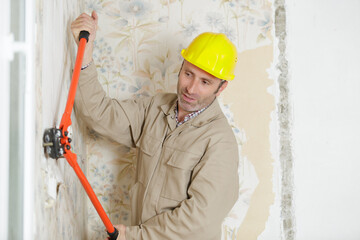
x: 284, y: 116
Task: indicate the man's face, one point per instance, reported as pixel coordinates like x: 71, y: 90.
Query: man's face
x: 196, y: 88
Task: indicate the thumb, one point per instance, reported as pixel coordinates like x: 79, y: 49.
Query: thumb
x: 95, y: 16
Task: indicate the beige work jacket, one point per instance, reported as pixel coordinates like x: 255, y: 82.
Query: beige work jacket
x: 187, y: 178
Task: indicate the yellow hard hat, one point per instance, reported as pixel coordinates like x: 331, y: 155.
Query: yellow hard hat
x: 213, y: 53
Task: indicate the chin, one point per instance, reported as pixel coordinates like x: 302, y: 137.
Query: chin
x: 187, y: 107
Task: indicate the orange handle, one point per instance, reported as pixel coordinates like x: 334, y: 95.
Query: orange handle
x: 71, y: 158
x: 66, y: 120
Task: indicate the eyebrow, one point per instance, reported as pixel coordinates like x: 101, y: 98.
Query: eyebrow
x: 208, y: 79
x: 202, y: 78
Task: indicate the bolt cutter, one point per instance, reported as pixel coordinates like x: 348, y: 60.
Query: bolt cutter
x: 57, y: 142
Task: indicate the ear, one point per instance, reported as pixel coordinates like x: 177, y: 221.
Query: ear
x: 222, y: 88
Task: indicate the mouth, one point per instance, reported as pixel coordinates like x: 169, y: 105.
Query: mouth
x: 187, y: 98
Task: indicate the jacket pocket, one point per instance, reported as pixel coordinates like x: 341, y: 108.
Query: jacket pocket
x: 149, y: 145
x: 178, y: 175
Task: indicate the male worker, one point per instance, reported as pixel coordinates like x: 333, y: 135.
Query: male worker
x: 186, y: 179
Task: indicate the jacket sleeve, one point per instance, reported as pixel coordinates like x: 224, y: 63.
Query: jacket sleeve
x: 212, y: 193
x: 108, y: 116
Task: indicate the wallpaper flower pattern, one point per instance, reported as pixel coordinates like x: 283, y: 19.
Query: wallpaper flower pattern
x: 59, y: 211
x: 137, y: 53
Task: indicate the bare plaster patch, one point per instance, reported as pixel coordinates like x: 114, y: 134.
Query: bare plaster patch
x: 284, y: 116
x: 252, y: 106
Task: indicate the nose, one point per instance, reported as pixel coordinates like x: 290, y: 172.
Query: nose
x: 191, y: 87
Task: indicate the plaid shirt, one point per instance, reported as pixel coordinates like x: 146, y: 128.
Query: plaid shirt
x: 187, y: 117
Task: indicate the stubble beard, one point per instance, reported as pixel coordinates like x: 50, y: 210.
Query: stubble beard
x: 192, y: 107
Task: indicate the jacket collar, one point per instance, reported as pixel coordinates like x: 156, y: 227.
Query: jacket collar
x: 210, y: 114
x: 168, y: 110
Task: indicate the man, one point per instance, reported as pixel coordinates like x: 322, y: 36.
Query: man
x: 187, y: 179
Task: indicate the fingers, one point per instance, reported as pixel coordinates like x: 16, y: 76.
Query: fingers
x: 95, y: 16
x: 122, y: 231
x: 118, y: 226
x: 87, y: 23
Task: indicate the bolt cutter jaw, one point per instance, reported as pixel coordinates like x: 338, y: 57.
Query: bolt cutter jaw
x: 56, y: 143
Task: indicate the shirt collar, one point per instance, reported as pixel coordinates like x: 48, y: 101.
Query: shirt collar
x: 188, y: 116
x: 213, y: 112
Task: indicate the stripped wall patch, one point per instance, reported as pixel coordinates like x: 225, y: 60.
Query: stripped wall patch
x: 285, y: 124
x: 248, y: 181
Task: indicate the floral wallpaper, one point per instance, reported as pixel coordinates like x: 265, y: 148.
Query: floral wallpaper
x: 59, y: 211
x: 137, y: 53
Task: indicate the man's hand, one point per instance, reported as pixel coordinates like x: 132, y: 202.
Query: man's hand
x: 122, y: 230
x: 87, y: 23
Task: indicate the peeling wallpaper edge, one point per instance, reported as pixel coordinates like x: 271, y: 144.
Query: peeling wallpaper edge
x: 284, y: 116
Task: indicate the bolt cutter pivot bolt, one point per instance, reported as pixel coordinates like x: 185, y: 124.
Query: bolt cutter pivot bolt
x: 52, y: 143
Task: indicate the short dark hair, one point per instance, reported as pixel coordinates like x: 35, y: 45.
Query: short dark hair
x: 221, y: 83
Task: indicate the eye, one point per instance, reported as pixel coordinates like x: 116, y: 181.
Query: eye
x: 188, y: 74
x: 205, y: 82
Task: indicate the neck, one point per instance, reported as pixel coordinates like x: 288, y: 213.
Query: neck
x: 181, y: 114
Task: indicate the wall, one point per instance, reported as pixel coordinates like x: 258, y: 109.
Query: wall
x: 137, y: 53
x: 293, y: 107
x: 59, y: 197
x: 324, y: 64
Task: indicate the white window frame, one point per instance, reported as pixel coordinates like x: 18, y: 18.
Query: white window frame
x: 8, y: 47
x: 5, y: 59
